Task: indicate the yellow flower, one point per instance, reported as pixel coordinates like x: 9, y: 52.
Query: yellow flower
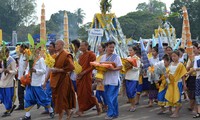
x: 49, y: 60
x: 28, y: 52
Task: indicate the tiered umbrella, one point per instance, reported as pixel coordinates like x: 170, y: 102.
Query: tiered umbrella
x: 186, y: 35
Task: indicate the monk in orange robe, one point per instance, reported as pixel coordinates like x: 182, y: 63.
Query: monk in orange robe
x: 86, y: 100
x: 63, y: 93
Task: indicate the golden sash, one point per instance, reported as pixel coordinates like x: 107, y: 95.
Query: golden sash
x: 173, y: 93
x: 163, y: 81
x: 140, y: 80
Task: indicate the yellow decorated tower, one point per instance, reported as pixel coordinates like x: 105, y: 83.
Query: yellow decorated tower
x: 43, y: 24
x: 66, y: 31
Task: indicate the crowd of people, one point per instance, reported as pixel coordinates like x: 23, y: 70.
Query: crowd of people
x: 58, y: 89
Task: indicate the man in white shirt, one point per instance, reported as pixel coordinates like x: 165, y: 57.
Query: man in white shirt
x: 73, y: 75
x: 111, y: 80
x: 34, y: 92
x: 46, y: 84
x: 7, y: 84
x: 22, y: 65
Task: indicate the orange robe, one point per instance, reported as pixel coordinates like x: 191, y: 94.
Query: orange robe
x: 86, y: 100
x: 63, y: 93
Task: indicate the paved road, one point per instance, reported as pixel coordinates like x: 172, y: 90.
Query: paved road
x: 142, y: 113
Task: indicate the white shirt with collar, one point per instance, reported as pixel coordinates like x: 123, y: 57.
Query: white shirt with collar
x: 196, y: 58
x: 133, y: 74
x: 6, y: 81
x: 22, y: 65
x: 38, y: 77
x: 112, y: 77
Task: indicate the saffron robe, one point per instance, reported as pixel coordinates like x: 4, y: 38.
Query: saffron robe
x: 63, y: 93
x: 86, y: 100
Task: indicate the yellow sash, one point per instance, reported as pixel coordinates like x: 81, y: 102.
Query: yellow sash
x: 140, y: 80
x: 98, y: 59
x: 163, y: 81
x: 173, y: 93
x: 149, y: 55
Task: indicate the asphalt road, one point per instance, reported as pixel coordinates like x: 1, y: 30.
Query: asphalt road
x: 142, y: 113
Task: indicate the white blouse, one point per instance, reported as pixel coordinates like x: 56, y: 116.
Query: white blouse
x: 133, y: 74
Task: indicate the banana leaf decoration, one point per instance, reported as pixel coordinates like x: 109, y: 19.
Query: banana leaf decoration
x: 31, y: 40
x: 3, y: 52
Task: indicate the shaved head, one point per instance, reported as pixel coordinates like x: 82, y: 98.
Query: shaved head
x: 61, y: 42
x: 59, y: 45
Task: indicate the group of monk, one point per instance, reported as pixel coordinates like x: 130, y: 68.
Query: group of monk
x: 58, y: 89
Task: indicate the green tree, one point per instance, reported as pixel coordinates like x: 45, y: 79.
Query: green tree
x: 80, y: 15
x: 139, y: 24
x: 83, y: 31
x: 56, y: 24
x: 194, y: 14
x: 154, y: 6
x: 14, y: 13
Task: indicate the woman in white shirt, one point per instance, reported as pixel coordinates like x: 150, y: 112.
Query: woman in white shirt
x: 111, y: 80
x: 153, y: 90
x: 131, y: 78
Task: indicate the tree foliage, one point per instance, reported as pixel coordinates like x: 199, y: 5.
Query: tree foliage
x: 194, y: 15
x: 56, y: 23
x: 14, y: 13
x: 154, y: 7
x: 143, y: 22
x: 139, y: 24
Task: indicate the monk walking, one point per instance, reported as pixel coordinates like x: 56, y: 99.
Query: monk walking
x: 62, y: 89
x: 86, y: 100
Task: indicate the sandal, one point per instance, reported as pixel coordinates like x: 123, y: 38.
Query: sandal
x: 70, y: 114
x: 197, y: 115
x: 132, y: 109
x: 108, y: 118
x: 161, y: 112
x: 174, y: 116
x: 149, y: 106
x: 77, y: 114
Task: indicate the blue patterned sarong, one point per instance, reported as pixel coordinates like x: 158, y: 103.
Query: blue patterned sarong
x: 145, y: 84
x: 111, y: 93
x: 6, y: 97
x: 161, y: 97
x: 131, y: 88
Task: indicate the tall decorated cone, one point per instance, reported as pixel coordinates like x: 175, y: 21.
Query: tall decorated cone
x: 43, y: 24
x: 186, y: 35
x: 144, y: 57
x: 160, y: 49
x: 66, y: 31
x: 1, y: 38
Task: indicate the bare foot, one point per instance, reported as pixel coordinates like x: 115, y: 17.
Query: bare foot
x: 99, y: 109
